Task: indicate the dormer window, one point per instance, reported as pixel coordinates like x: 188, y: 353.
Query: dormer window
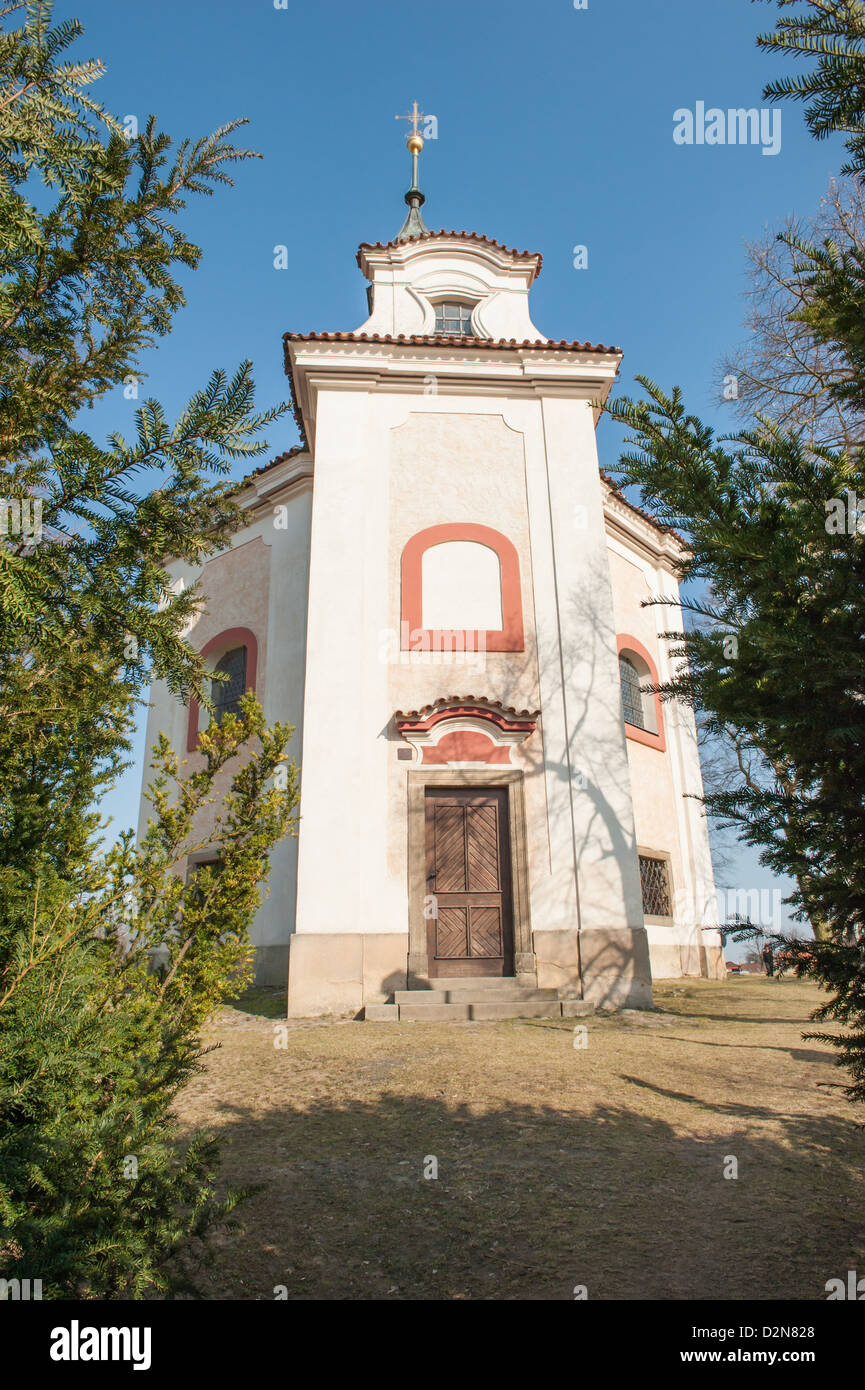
x: 454, y: 318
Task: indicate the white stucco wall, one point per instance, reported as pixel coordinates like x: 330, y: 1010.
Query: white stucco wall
x: 665, y: 785
x: 259, y: 582
x: 522, y: 467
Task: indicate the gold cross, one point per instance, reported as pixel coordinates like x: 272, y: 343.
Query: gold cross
x: 414, y: 116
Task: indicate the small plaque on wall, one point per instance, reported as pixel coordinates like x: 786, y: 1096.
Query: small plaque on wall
x: 404, y: 754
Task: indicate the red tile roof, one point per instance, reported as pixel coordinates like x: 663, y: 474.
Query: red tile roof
x: 266, y: 467
x: 450, y: 340
x: 459, y: 236
x: 463, y: 703
x: 647, y: 516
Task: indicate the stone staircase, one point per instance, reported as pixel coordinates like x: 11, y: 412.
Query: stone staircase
x: 483, y: 997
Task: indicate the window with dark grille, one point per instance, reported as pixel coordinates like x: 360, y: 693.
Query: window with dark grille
x: 632, y: 696
x: 655, y: 883
x: 226, y: 694
x: 455, y: 319
x: 193, y: 870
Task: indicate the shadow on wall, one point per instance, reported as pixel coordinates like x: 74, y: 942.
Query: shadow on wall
x: 593, y: 763
x: 589, y: 647
x: 588, y: 760
x: 609, y: 961
x: 588, y: 757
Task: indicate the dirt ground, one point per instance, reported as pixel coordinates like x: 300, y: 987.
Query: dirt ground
x: 557, y: 1165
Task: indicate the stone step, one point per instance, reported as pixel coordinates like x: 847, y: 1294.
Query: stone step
x: 420, y: 996
x: 506, y: 993
x: 501, y: 991
x: 381, y: 1013
x: 474, y: 981
x: 479, y: 1009
x: 433, y: 1013
x: 462, y: 1001
x: 529, y: 1008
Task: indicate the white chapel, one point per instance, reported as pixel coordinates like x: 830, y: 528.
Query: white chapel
x: 444, y: 594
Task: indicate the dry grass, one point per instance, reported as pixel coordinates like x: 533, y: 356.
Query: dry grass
x: 557, y: 1166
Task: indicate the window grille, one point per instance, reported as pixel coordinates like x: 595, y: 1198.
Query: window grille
x: 655, y: 883
x: 226, y: 694
x: 632, y: 696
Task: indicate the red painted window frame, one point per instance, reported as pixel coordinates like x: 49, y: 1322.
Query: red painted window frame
x: 413, y: 635
x: 626, y: 643
x: 231, y: 637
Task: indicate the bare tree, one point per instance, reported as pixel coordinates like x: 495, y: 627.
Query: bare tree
x: 781, y: 370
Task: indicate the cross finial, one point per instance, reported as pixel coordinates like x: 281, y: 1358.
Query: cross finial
x: 414, y: 223
x: 414, y: 116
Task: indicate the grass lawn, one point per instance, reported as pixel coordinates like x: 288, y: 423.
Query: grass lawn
x: 557, y: 1166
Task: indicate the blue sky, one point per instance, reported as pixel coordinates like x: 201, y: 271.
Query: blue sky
x: 555, y: 129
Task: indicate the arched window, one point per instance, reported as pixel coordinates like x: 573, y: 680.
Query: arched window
x: 233, y: 653
x: 632, y: 695
x: 641, y: 707
x: 226, y: 695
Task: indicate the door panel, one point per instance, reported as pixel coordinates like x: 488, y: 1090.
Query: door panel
x: 469, y: 875
x: 452, y: 933
x: 450, y: 862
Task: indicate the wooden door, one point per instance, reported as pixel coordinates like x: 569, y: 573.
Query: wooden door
x: 468, y: 866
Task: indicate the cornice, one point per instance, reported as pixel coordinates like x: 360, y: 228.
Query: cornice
x: 658, y: 544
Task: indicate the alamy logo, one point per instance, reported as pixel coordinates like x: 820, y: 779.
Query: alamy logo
x: 421, y: 646
x: 76, y: 1343
x: 21, y: 518
x: 853, y: 1289
x: 20, y: 1290
x: 733, y: 127
x: 845, y: 515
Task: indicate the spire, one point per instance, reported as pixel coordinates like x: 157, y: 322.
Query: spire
x: 414, y: 223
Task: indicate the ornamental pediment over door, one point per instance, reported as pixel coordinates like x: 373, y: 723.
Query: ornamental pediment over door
x: 465, y: 731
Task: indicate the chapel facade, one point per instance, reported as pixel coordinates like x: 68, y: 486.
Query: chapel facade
x: 443, y: 593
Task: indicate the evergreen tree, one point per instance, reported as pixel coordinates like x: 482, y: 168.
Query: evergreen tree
x: 833, y: 32
x: 97, y: 1196
x: 776, y: 654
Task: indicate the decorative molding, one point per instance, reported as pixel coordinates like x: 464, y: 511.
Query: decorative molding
x: 372, y: 255
x: 465, y: 366
x: 461, y: 731
x: 656, y: 544
x: 428, y: 318
x: 509, y: 638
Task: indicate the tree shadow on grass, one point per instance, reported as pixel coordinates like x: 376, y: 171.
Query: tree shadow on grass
x: 796, y: 1054
x: 724, y: 1018
x: 530, y: 1202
